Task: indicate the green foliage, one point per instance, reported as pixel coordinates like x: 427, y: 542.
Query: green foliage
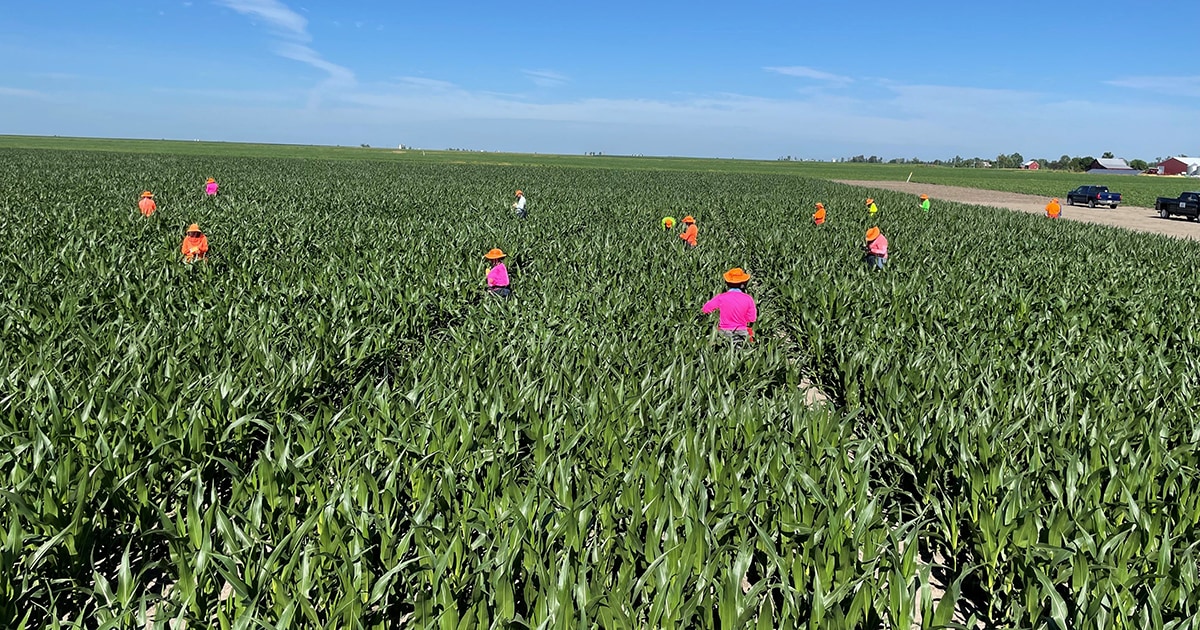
x: 327, y: 424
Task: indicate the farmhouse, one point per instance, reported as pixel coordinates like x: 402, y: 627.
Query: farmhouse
x: 1179, y: 166
x: 1031, y: 165
x: 1112, y: 166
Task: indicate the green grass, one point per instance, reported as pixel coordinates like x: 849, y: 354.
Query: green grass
x: 1136, y: 190
x: 329, y: 415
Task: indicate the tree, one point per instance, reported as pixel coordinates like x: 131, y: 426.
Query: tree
x: 1107, y: 155
x: 1140, y: 165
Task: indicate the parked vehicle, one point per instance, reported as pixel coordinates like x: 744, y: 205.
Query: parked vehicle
x: 1186, y: 204
x: 1094, y: 196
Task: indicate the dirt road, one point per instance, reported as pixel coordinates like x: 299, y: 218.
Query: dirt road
x: 1127, y: 217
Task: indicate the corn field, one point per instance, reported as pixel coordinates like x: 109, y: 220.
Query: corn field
x: 328, y: 424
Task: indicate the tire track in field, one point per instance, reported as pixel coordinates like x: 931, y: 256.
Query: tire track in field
x: 1133, y: 218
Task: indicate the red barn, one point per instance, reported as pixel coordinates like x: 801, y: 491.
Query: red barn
x: 1031, y: 165
x: 1177, y: 165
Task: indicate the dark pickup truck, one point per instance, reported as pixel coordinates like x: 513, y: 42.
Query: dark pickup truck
x: 1094, y: 196
x: 1186, y: 205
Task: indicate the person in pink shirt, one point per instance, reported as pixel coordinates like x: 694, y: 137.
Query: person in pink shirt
x: 736, y: 309
x: 877, y: 249
x: 210, y: 187
x: 497, y: 276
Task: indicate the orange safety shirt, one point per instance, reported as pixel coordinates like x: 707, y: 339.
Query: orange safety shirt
x: 194, y: 246
x: 147, y: 206
x: 1053, y: 209
x: 689, y: 235
x: 819, y: 216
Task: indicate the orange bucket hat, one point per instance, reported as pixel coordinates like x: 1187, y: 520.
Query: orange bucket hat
x: 688, y: 219
x: 519, y: 193
x: 870, y: 200
x: 209, y: 180
x: 736, y: 276
x: 1055, y: 200
x: 819, y: 206
x: 924, y: 196
x: 195, y: 227
x: 872, y: 234
x: 147, y: 193
x: 495, y: 254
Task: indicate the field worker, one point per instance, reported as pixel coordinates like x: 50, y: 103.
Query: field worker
x: 871, y: 207
x: 195, y: 244
x: 210, y: 187
x: 668, y: 223
x: 1053, y: 209
x: 736, y: 308
x: 877, y: 249
x: 147, y: 205
x: 689, y: 232
x: 497, y: 276
x: 519, y: 205
x: 819, y: 215
x: 925, y: 203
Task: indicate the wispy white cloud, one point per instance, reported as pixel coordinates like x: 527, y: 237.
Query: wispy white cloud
x: 1182, y: 86
x: 291, y: 29
x: 546, y: 78
x: 806, y: 72
x: 21, y: 92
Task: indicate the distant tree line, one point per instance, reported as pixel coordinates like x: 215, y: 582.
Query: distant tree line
x: 1013, y: 160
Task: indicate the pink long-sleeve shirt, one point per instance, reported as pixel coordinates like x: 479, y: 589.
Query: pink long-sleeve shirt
x: 737, y: 310
x: 210, y: 188
x: 498, y: 276
x: 878, y: 247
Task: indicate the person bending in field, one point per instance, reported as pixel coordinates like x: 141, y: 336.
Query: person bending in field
x: 819, y: 215
x: 1053, y: 209
x: 925, y: 203
x: 876, y: 249
x: 146, y: 204
x: 668, y: 223
x: 689, y: 232
x: 497, y: 276
x: 195, y: 244
x: 736, y: 309
x: 519, y: 205
x: 210, y: 187
x: 871, y: 207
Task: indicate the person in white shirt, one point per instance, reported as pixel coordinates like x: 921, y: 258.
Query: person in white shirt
x: 519, y: 206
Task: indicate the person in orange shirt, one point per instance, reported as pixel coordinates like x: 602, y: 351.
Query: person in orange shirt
x: 689, y: 233
x: 819, y: 215
x: 195, y: 244
x: 147, y: 205
x: 1053, y: 209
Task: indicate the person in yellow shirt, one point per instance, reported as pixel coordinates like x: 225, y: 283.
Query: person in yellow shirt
x: 871, y: 207
x: 668, y: 223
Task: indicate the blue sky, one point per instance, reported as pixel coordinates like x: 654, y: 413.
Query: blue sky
x: 726, y: 79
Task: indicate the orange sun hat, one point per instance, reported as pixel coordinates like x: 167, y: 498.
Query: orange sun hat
x: 872, y: 234
x: 147, y: 193
x: 688, y: 219
x: 195, y: 227
x: 736, y: 276
x: 495, y: 254
x: 1055, y: 200
x: 924, y: 196
x: 870, y: 201
x: 819, y: 206
x: 519, y: 193
x: 209, y: 180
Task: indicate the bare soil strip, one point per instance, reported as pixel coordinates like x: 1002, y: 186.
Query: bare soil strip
x: 1127, y: 217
